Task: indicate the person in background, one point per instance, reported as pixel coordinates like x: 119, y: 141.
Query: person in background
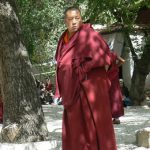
x: 115, y: 92
x: 83, y: 84
x: 48, y: 85
x: 125, y: 93
x: 49, y: 91
x: 42, y: 93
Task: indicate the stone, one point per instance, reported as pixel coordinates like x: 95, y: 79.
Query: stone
x: 143, y: 137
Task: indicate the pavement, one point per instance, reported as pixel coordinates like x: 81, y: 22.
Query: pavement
x: 135, y: 118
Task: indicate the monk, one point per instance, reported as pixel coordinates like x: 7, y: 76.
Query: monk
x: 83, y: 84
x: 115, y: 92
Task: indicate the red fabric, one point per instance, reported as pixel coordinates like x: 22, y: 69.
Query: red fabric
x: 83, y: 85
x: 57, y: 94
x: 49, y: 86
x: 115, y: 93
x: 66, y: 38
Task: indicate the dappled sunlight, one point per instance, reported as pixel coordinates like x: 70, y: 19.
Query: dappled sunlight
x: 135, y: 118
x: 54, y: 126
x: 51, y: 145
x: 53, y: 117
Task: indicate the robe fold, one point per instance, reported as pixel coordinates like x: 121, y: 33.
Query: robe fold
x: 83, y: 85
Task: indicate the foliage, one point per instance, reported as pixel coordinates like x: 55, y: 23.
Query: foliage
x: 42, y: 23
x: 111, y: 11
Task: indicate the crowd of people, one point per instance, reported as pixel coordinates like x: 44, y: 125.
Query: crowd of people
x: 46, y: 92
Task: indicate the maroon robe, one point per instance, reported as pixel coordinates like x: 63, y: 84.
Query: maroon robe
x: 83, y: 85
x: 115, y: 93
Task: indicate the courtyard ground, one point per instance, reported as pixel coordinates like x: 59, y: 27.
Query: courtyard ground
x: 135, y: 118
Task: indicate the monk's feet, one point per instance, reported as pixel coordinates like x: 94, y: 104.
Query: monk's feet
x: 116, y: 121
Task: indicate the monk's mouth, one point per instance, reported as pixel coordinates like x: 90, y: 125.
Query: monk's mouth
x: 75, y: 27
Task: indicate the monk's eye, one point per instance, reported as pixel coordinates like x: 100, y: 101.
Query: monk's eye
x: 70, y: 19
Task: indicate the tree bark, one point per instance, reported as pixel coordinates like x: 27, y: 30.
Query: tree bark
x: 23, y: 115
x: 141, y: 70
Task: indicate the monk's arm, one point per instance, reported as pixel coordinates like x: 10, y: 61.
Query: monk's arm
x: 120, y: 61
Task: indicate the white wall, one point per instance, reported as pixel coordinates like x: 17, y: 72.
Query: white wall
x: 116, y: 42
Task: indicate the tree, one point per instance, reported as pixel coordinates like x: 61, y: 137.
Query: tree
x: 141, y: 70
x: 42, y: 24
x: 124, y: 12
x: 23, y: 115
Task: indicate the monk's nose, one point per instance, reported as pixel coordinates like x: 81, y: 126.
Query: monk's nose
x: 74, y: 21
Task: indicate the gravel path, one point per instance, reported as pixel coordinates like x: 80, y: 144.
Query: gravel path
x: 135, y: 118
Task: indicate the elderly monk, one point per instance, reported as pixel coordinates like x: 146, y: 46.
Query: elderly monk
x: 83, y: 85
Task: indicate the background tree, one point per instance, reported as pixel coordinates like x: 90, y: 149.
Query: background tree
x: 23, y: 115
x: 42, y: 24
x: 124, y: 12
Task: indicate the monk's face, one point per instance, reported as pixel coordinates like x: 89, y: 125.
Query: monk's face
x: 73, y: 20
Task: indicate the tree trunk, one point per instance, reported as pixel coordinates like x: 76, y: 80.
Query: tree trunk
x: 137, y: 86
x: 141, y: 70
x: 23, y: 115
